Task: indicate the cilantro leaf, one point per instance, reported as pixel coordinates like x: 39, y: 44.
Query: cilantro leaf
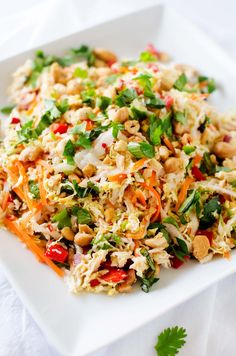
x: 147, y: 57
x: 170, y: 220
x: 69, y: 152
x: 141, y: 149
x: 179, y: 116
x: 155, y: 103
x: 63, y: 219
x: 103, y: 102
x: 116, y: 127
x: 170, y: 341
x: 83, y: 216
x: 125, y: 97
x: 211, y: 208
x: 155, y: 130
x: 84, y: 140
x: 6, y: 110
x: 207, y: 166
x: 80, y: 73
x: 180, y: 83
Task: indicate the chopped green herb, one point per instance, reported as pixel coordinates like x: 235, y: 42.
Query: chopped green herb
x: 167, y: 125
x: 141, y: 149
x: 112, y: 78
x: 172, y: 221
x: 147, y: 57
x: 103, y: 102
x: 138, y: 113
x: 84, y: 140
x: 187, y: 203
x: 116, y: 127
x: 170, y: 341
x: 69, y: 152
x: 155, y: 130
x: 63, y: 106
x: 189, y: 149
x: 80, y: 73
x: 6, y: 110
x: 180, y: 83
x: 34, y: 189
x: 180, y: 117
x: 83, y: 216
x: 203, y: 126
x: 125, y: 97
x: 84, y: 192
x: 88, y: 97
x: 210, y: 210
x: 210, y: 84
x: 63, y: 219
x: 207, y: 166
x: 155, y: 103
x: 183, y: 246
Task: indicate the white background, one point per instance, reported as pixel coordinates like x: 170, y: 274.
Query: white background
x: 210, y: 318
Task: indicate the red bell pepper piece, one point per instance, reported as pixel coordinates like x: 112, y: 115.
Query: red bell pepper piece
x: 57, y: 253
x: 208, y: 234
x: 153, y: 50
x: 197, y: 173
x: 94, y: 283
x: 59, y: 128
x: 176, y: 262
x: 15, y: 120
x: 115, y: 275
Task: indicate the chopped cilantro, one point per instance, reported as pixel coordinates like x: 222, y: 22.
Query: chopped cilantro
x: 180, y: 83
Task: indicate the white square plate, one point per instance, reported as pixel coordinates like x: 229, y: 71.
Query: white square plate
x: 82, y: 324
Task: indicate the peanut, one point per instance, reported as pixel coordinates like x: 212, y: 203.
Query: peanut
x: 201, y: 246
x: 89, y: 170
x: 109, y: 214
x: 30, y: 153
x: 164, y: 153
x: 224, y: 149
x: 121, y: 115
x: 173, y: 164
x: 132, y: 126
x: 105, y: 55
x: 68, y: 233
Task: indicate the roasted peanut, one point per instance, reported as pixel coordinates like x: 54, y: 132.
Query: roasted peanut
x: 180, y: 129
x: 121, y: 115
x: 73, y: 177
x: 224, y: 149
x: 129, y: 281
x: 89, y: 170
x: 83, y: 113
x: 74, y: 86
x: 109, y: 214
x: 83, y: 239
x: 132, y: 126
x: 201, y: 246
x: 68, y: 233
x: 30, y: 153
x: 105, y: 55
x: 120, y: 146
x: 164, y: 153
x: 173, y: 164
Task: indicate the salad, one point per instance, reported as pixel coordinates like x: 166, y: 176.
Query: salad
x: 111, y: 170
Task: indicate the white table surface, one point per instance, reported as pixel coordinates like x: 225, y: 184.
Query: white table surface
x: 210, y: 317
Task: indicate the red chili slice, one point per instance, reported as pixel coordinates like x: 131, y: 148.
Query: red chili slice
x: 15, y: 120
x: 168, y: 101
x: 198, y: 174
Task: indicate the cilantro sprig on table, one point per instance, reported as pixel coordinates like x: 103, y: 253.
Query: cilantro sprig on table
x: 170, y: 341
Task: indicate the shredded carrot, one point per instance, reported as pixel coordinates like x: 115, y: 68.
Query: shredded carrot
x: 183, y: 192
x: 156, y: 195
x: 152, y: 180
x: 227, y: 255
x: 43, y: 196
x: 117, y: 177
x: 96, y: 110
x: 139, y: 164
x: 5, y: 200
x: 20, y: 193
x: 168, y: 144
x: 197, y: 159
x: 38, y: 252
x: 142, y: 231
x: 140, y: 197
